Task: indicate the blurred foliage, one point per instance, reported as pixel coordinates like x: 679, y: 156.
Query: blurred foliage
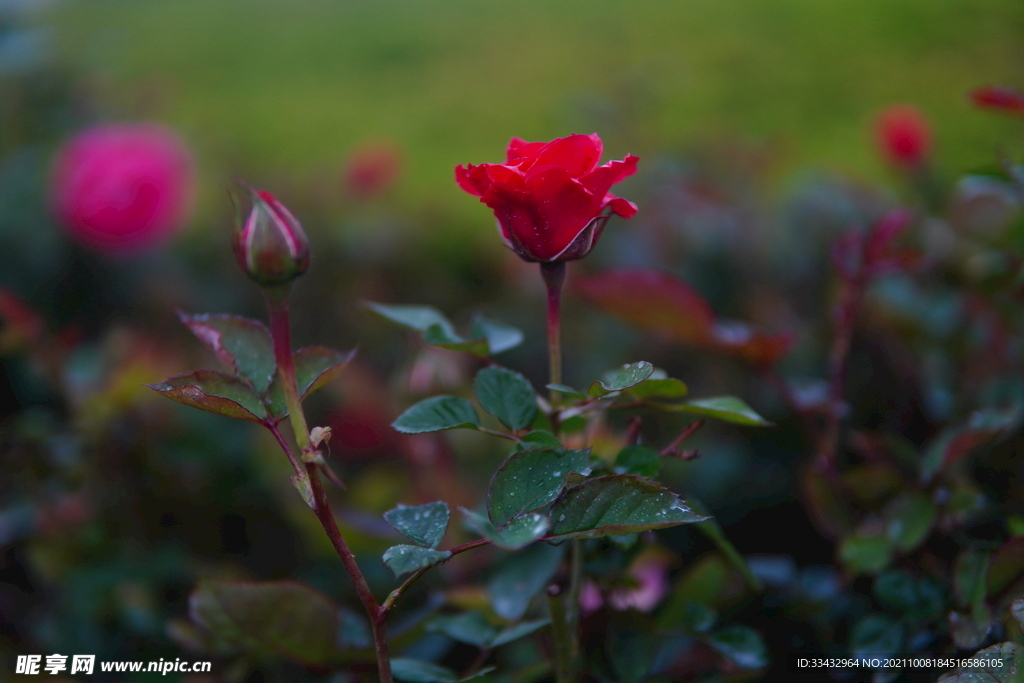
x: 889, y: 520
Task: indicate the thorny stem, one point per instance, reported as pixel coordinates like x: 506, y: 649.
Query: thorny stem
x: 277, y: 307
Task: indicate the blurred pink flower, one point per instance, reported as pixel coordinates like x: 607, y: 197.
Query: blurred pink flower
x: 904, y: 136
x: 372, y: 170
x: 590, y: 597
x: 651, y: 575
x: 649, y: 571
x: 122, y: 189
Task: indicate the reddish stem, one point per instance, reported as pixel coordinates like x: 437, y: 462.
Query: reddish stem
x: 277, y: 306
x: 554, y: 276
x: 671, y: 449
x: 851, y: 295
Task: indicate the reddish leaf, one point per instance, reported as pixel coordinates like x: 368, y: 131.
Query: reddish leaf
x: 1006, y: 565
x: 756, y: 347
x: 984, y: 427
x: 653, y: 300
x: 279, y: 617
x: 214, y: 392
x: 999, y: 97
x: 20, y: 324
x: 666, y: 305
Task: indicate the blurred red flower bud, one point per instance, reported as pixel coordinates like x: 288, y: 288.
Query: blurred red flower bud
x: 999, y: 97
x: 122, y: 189
x: 371, y: 170
x: 270, y: 245
x: 550, y: 197
x: 904, y: 136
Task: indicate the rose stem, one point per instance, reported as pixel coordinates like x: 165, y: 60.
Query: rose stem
x: 566, y: 614
x: 554, y: 276
x: 277, y: 307
x: 845, y: 317
x: 561, y: 636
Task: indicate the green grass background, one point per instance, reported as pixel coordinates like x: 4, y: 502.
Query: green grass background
x: 289, y: 87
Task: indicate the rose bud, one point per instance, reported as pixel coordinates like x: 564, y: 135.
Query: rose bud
x: 122, y: 189
x: 270, y: 245
x: 550, y: 197
x: 904, y: 136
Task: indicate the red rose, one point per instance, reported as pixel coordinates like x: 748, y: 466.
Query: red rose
x: 121, y: 189
x: 550, y: 197
x: 904, y: 136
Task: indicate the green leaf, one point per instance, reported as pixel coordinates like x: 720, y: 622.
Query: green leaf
x: 520, y: 577
x: 713, y: 530
x: 631, y: 651
x: 242, y: 345
x: 517, y: 534
x: 315, y: 367
x: 418, y: 671
x: 660, y: 388
x: 437, y: 413
x: 507, y: 395
x: 909, y: 520
x: 865, y: 554
x: 517, y: 631
x: 1011, y: 656
x: 405, y: 559
x: 473, y: 628
x: 214, y: 392
x: 499, y: 336
x: 877, y: 636
x: 623, y: 378
x: 617, y: 504
x: 726, y: 408
x: 282, y: 617
x: 698, y: 617
x: 423, y: 524
x: 703, y: 582
x: 530, y: 479
x: 568, y: 391
x: 970, y: 573
x: 488, y: 336
x: 419, y: 318
x: 914, y: 598
x: 640, y: 460
x: 469, y: 627
x: 540, y: 438
x: 742, y: 645
x: 436, y: 335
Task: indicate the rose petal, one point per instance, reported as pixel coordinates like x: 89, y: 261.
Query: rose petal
x: 473, y: 179
x: 519, y: 149
x: 622, y: 207
x: 577, y: 154
x: 601, y: 179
